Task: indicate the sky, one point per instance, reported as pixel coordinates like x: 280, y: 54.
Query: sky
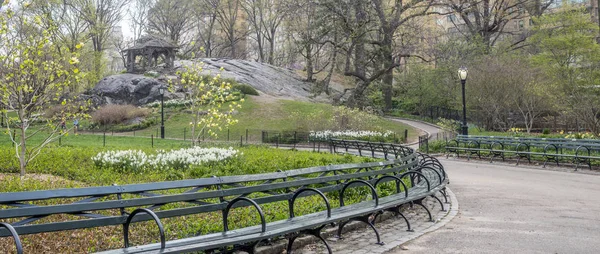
x: 125, y: 25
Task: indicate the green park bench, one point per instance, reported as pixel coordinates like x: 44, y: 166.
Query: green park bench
x: 416, y: 177
x: 577, y: 151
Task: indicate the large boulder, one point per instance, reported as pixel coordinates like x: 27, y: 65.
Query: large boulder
x: 130, y: 89
x: 267, y: 79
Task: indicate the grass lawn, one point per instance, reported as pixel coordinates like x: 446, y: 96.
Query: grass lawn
x: 69, y: 164
x: 70, y: 167
x: 259, y: 114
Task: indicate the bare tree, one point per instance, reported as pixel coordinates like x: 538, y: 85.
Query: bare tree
x: 228, y: 18
x: 372, y: 52
x: 487, y: 20
x: 138, y: 16
x: 170, y: 19
x: 265, y: 17
x: 389, y: 22
x: 101, y: 17
x: 306, y: 35
x: 205, y: 27
x: 538, y: 7
x: 70, y: 28
x: 121, y: 45
x: 255, y: 11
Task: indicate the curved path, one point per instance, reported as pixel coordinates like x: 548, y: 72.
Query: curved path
x: 508, y: 209
x: 425, y: 127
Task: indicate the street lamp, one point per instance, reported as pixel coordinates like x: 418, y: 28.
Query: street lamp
x: 462, y: 74
x: 161, y: 90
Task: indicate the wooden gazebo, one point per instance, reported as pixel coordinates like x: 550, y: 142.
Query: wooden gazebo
x: 150, y: 48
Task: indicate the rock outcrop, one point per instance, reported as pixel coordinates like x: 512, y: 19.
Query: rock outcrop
x: 267, y: 79
x: 129, y: 89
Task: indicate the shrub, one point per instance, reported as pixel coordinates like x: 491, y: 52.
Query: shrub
x: 245, y: 89
x: 435, y: 146
x: 54, y: 111
x: 546, y: 131
x: 115, y: 114
x: 345, y: 118
x: 449, y: 124
x: 146, y: 123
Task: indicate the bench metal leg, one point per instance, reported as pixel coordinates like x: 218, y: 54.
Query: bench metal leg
x: 15, y: 236
x: 420, y: 203
x: 443, y: 191
x: 341, y: 227
x: 439, y: 201
x: 364, y: 219
x: 396, y: 210
x: 375, y: 216
x: 314, y: 232
x: 526, y: 156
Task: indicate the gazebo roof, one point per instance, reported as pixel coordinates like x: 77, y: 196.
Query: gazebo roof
x: 150, y: 41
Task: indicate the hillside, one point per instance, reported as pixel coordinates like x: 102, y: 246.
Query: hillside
x: 269, y: 80
x: 284, y: 103
x: 260, y: 113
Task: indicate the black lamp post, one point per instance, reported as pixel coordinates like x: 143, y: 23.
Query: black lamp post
x: 462, y: 74
x: 161, y: 89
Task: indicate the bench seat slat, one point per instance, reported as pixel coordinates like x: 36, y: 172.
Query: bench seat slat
x: 276, y: 228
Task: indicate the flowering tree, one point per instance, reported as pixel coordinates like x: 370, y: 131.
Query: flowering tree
x: 33, y: 76
x: 211, y: 101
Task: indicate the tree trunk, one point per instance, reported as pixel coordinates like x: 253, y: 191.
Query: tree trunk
x: 387, y: 89
x: 327, y: 80
x: 22, y: 158
x: 232, y: 41
x: 272, y: 48
x: 261, y: 50
x: 309, y: 65
x: 388, y: 78
x: 359, y: 49
x: 356, y: 99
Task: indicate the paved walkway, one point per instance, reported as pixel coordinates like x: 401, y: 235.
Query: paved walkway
x: 507, y: 209
x: 427, y: 128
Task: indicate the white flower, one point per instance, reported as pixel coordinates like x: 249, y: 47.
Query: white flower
x: 327, y: 134
x: 182, y: 158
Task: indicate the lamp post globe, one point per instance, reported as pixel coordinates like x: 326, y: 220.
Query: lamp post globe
x: 161, y: 90
x: 462, y: 75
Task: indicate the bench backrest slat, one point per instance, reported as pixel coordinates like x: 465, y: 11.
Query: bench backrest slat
x: 114, y: 204
x: 11, y: 197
